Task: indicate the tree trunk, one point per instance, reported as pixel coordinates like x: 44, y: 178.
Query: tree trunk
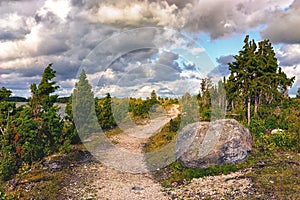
x: 249, y: 110
x: 256, y: 104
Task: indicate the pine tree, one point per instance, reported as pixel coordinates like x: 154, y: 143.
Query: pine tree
x: 256, y: 78
x: 4, y: 93
x: 35, y: 131
x: 105, y: 115
x: 83, y: 107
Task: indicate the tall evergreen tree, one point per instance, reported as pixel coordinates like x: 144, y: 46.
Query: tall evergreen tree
x: 83, y: 107
x: 256, y: 78
x: 105, y: 115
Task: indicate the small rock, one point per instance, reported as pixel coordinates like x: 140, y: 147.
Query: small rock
x: 174, y: 184
x: 261, y: 164
x: 137, y: 188
x: 55, y: 166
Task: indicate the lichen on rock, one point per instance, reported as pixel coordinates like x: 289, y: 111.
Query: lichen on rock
x: 203, y: 144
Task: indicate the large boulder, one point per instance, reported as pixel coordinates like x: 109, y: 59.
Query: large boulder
x: 203, y: 144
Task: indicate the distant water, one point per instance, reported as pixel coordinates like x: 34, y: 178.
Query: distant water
x: 61, y: 111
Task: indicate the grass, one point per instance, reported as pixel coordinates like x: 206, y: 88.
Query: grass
x: 164, y: 136
x: 179, y: 174
x: 280, y: 178
x: 113, y: 132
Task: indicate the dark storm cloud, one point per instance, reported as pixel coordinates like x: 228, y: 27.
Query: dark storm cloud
x: 52, y: 46
x: 224, y: 60
x: 147, y: 73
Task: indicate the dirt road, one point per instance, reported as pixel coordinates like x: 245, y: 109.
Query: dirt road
x: 131, y: 178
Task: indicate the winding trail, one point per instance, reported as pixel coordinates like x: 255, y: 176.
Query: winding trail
x: 100, y: 180
x: 131, y: 178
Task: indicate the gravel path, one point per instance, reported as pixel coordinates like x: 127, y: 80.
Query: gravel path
x: 101, y: 181
x: 132, y: 180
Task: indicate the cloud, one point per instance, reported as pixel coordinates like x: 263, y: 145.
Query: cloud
x: 23, y: 7
x: 168, y: 59
x: 34, y: 33
x: 284, y: 26
x: 222, y: 69
x: 196, y: 51
x: 136, y: 13
x: 223, y: 18
x: 234, y: 16
x: 289, y: 60
x: 289, y: 55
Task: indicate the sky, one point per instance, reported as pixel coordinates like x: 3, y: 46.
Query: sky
x: 130, y: 47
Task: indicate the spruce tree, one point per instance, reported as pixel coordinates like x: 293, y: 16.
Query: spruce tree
x: 256, y: 78
x: 83, y: 107
x: 35, y: 131
x: 105, y: 115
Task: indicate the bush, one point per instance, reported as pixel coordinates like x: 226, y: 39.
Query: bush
x: 279, y: 140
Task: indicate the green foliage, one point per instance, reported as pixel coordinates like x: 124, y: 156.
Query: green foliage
x: 167, y: 134
x: 63, y: 99
x: 69, y: 129
x: 256, y: 79
x: 4, y: 196
x: 83, y: 107
x: 4, y: 93
x: 140, y: 109
x: 16, y: 99
x: 104, y: 113
x: 189, y: 109
x: 33, y: 132
x: 179, y: 173
x: 268, y: 143
x: 119, y: 108
x: 298, y: 93
x: 211, y: 100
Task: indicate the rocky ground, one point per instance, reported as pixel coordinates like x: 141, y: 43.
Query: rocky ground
x: 100, y: 182
x: 230, y: 186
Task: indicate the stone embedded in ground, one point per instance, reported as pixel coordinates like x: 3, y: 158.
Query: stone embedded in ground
x: 203, y: 144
